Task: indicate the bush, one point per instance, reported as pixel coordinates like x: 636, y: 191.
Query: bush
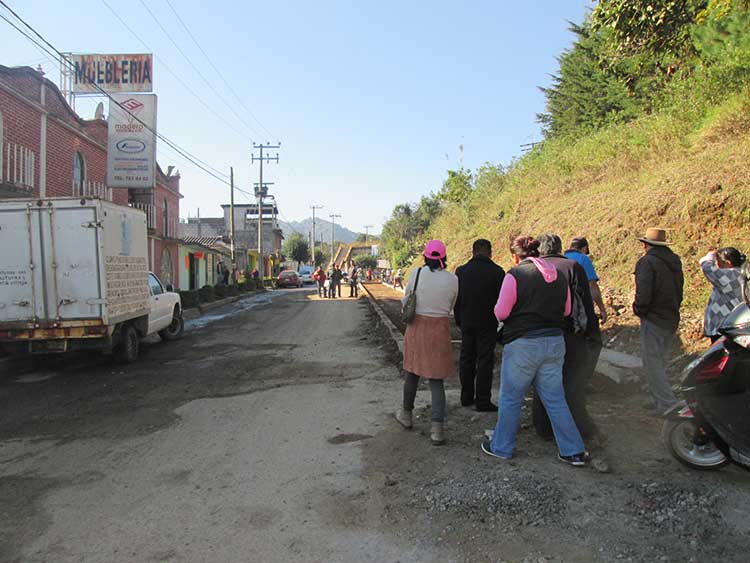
x: 189, y: 299
x: 206, y: 294
x: 221, y: 291
x: 233, y: 291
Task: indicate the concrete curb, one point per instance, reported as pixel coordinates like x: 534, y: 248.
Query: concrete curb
x: 396, y: 335
x: 195, y: 312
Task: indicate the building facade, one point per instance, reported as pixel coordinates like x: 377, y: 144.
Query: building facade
x: 47, y: 150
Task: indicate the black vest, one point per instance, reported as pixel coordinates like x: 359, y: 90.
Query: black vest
x: 539, y: 305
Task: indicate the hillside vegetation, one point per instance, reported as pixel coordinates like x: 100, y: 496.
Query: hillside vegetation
x: 647, y: 124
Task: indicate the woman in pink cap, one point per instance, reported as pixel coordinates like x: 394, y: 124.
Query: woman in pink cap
x: 427, y: 343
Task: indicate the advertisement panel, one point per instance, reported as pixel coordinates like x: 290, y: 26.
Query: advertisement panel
x: 131, y: 150
x: 111, y: 73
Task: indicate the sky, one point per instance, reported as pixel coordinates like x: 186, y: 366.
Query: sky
x: 369, y: 100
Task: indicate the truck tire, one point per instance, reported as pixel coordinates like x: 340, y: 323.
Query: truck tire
x: 129, y: 345
x: 174, y: 331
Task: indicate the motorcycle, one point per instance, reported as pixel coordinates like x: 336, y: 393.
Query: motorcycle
x: 711, y: 428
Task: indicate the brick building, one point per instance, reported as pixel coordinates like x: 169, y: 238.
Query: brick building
x: 47, y: 150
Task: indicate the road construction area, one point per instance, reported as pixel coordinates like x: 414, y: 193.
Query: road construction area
x: 267, y: 434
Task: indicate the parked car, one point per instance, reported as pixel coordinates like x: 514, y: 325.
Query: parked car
x: 288, y: 278
x: 306, y: 274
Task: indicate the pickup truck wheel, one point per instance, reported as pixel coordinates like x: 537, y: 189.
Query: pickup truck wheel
x: 129, y: 345
x: 174, y: 331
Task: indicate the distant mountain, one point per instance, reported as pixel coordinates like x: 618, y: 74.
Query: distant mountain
x: 322, y: 229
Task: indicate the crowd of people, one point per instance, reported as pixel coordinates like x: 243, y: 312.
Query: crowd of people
x: 544, y: 313
x: 329, y: 283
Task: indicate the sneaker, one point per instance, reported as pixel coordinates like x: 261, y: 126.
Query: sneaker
x: 404, y: 418
x: 487, y: 448
x: 576, y: 460
x: 489, y: 407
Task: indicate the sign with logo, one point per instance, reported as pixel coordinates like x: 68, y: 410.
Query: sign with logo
x: 131, y: 147
x: 111, y: 73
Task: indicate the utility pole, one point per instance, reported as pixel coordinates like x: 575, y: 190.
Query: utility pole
x: 260, y: 192
x: 314, y: 207
x: 367, y: 232
x: 231, y: 215
x: 333, y: 240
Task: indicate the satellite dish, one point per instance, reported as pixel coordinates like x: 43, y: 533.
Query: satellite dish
x: 99, y: 114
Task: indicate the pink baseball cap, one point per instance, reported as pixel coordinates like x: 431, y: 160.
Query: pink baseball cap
x: 435, y: 249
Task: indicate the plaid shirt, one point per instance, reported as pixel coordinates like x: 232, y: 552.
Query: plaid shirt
x: 726, y: 294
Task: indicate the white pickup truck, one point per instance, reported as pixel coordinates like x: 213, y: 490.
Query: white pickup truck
x: 74, y: 275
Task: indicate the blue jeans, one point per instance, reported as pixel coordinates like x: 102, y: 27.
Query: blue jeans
x: 538, y: 361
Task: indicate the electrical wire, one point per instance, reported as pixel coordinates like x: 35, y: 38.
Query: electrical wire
x: 218, y: 72
x: 174, y: 74
x: 197, y: 71
x: 53, y: 51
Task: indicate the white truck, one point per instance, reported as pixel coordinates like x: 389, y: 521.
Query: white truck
x: 74, y: 275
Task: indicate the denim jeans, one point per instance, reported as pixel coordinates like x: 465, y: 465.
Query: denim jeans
x: 656, y: 345
x: 537, y: 361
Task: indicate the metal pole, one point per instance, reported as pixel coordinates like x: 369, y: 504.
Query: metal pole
x: 367, y: 232
x: 261, y: 263
x: 231, y: 215
x: 314, y: 207
x: 333, y: 240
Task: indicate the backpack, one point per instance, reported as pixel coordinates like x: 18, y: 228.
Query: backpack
x: 577, y: 310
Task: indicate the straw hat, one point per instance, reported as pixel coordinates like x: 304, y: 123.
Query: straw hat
x: 655, y: 237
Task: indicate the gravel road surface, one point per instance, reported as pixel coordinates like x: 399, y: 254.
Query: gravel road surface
x: 266, y: 434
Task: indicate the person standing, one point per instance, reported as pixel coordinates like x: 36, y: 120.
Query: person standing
x: 427, y: 343
x: 398, y: 279
x: 579, y: 251
x: 479, y: 282
x: 722, y: 269
x: 533, y: 303
x: 335, y: 284
x: 658, y: 295
x: 578, y: 366
x: 353, y: 276
x: 320, y: 278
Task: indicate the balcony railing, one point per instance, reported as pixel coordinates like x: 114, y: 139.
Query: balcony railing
x: 92, y: 189
x: 17, y: 166
x: 150, y: 211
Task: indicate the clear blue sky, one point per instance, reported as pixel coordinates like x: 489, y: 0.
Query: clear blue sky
x: 367, y: 98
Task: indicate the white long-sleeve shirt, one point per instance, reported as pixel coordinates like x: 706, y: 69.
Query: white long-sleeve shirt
x: 436, y: 293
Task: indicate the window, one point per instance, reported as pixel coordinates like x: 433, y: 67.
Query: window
x: 79, y: 174
x: 154, y: 285
x: 166, y: 218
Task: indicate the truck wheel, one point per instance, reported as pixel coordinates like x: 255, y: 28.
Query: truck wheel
x: 174, y: 330
x: 127, y: 349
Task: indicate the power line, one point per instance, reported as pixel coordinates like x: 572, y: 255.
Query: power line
x: 197, y: 71
x: 218, y: 72
x: 170, y: 71
x: 52, y: 50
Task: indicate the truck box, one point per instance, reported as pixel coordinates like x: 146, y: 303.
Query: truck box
x: 70, y: 268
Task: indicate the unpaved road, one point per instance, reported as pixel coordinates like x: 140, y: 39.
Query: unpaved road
x: 266, y: 435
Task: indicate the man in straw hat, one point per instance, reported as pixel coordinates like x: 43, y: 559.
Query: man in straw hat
x: 658, y: 296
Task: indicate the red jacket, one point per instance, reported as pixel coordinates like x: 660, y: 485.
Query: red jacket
x: 319, y: 276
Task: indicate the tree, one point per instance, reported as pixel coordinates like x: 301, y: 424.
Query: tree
x: 296, y: 249
x: 366, y: 261
x: 361, y: 237
x: 457, y: 186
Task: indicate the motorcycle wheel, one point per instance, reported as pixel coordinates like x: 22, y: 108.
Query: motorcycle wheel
x: 679, y: 437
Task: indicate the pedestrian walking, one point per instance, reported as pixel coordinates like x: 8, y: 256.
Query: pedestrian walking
x: 427, y: 343
x: 320, y: 278
x: 533, y: 303
x: 658, y: 296
x: 353, y: 276
x: 579, y: 361
x: 369, y: 274
x: 479, y: 282
x: 722, y: 269
x: 398, y: 279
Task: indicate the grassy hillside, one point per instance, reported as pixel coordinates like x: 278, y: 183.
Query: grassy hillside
x: 686, y: 171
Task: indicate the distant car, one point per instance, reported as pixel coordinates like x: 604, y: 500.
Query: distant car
x: 306, y: 274
x: 288, y: 278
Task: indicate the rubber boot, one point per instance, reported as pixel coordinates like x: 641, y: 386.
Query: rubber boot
x: 437, y: 434
x: 404, y: 418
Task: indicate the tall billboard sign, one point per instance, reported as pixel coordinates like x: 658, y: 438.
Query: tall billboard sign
x: 131, y: 150
x: 111, y: 73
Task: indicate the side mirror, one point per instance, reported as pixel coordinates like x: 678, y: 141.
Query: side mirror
x: 170, y: 288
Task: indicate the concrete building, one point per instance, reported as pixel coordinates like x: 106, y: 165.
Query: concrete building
x: 47, y: 150
x: 200, y: 258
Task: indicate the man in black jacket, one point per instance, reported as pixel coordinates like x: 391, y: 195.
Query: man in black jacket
x: 582, y: 327
x: 658, y: 295
x: 479, y: 282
